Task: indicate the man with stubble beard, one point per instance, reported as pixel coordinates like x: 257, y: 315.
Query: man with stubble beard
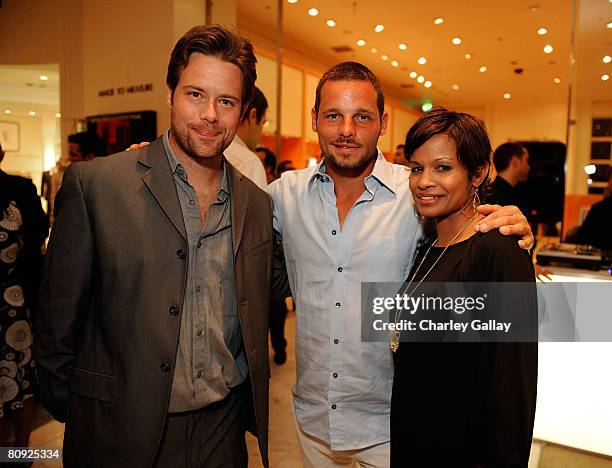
x: 152, y: 330
x: 346, y: 221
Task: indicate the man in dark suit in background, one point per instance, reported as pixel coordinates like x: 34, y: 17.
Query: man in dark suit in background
x: 512, y: 165
x: 153, y: 321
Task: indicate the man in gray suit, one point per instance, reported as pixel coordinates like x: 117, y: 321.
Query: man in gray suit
x: 153, y: 318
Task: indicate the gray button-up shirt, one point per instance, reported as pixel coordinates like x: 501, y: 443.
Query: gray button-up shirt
x: 210, y: 358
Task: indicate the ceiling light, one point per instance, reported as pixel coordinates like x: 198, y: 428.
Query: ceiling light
x: 32, y: 113
x: 456, y: 40
x: 590, y: 169
x: 606, y: 59
x: 455, y: 87
x: 373, y: 50
x: 292, y: 1
x: 58, y: 115
x: 384, y: 57
x: 360, y: 42
x: 542, y: 31
x: 534, y: 7
x: 468, y: 56
x: 331, y: 23
x: 605, y: 77
x: 395, y: 63
x: 609, y: 25
x: 313, y: 12
x: 548, y: 49
x: 438, y: 20
x: 557, y: 80
x: 507, y: 95
x: 7, y: 111
x: 427, y: 106
x: 402, y: 46
x: 589, y: 181
x: 43, y: 78
x: 412, y: 74
x: 422, y: 61
x: 379, y: 28
x: 482, y: 69
x: 427, y: 84
x: 420, y: 78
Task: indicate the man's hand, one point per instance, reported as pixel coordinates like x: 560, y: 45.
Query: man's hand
x: 137, y: 146
x: 509, y: 220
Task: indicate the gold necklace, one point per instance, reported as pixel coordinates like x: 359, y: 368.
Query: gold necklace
x: 394, y: 335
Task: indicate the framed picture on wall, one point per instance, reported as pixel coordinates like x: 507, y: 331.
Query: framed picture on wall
x: 9, y: 136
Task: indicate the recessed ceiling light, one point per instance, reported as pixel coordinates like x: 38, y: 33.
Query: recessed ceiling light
x: 361, y: 42
x: 373, y: 50
x: 427, y: 106
x: 482, y: 69
x: 43, y: 78
x: 384, y: 57
x: 402, y: 46
x: 542, y: 31
x: 313, y: 12
x: 7, y: 111
x: 548, y: 49
x: 605, y: 77
x: 455, y: 87
x: 609, y: 25
x: 534, y: 7
x: 420, y: 78
x: 379, y: 28
x: 507, y: 95
x: 456, y: 40
x: 468, y: 56
x: 606, y: 59
x: 32, y: 113
x: 422, y: 61
x: 557, y: 80
x: 427, y: 84
x: 395, y: 63
x: 331, y: 23
x: 438, y: 20
x: 58, y: 115
x: 292, y: 1
x: 412, y: 74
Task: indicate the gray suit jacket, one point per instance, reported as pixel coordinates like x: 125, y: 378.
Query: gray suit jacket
x: 113, y: 287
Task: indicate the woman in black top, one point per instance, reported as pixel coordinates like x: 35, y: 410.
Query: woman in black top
x: 461, y: 404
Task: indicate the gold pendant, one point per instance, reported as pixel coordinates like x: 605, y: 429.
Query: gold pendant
x: 394, y: 345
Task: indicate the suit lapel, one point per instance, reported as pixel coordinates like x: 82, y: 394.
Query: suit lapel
x: 160, y: 182
x: 239, y: 202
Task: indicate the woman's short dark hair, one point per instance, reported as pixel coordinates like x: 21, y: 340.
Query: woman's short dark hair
x: 219, y: 42
x: 351, y: 71
x: 466, y: 131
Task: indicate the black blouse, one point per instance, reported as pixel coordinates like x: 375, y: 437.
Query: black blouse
x: 466, y: 404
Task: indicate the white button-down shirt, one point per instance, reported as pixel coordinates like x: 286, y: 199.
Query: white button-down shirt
x: 247, y: 162
x: 343, y: 389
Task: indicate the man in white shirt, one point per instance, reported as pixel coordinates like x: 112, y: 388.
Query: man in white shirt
x: 241, y: 152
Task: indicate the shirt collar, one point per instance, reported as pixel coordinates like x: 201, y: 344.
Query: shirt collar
x: 239, y: 141
x: 177, y: 167
x: 382, y: 174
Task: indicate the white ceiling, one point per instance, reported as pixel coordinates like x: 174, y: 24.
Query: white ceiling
x: 21, y: 89
x: 499, y: 35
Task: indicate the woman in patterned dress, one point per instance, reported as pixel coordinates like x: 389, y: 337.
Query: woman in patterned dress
x: 22, y: 232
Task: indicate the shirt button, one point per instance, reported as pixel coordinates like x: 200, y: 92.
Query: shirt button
x: 334, y: 406
x: 199, y: 333
x: 340, y: 269
x: 180, y: 254
x: 198, y: 288
x: 336, y: 341
x: 335, y: 375
x: 164, y: 366
x: 199, y: 375
x: 174, y: 310
x: 199, y: 244
x: 337, y: 304
x: 192, y: 202
x: 334, y: 232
